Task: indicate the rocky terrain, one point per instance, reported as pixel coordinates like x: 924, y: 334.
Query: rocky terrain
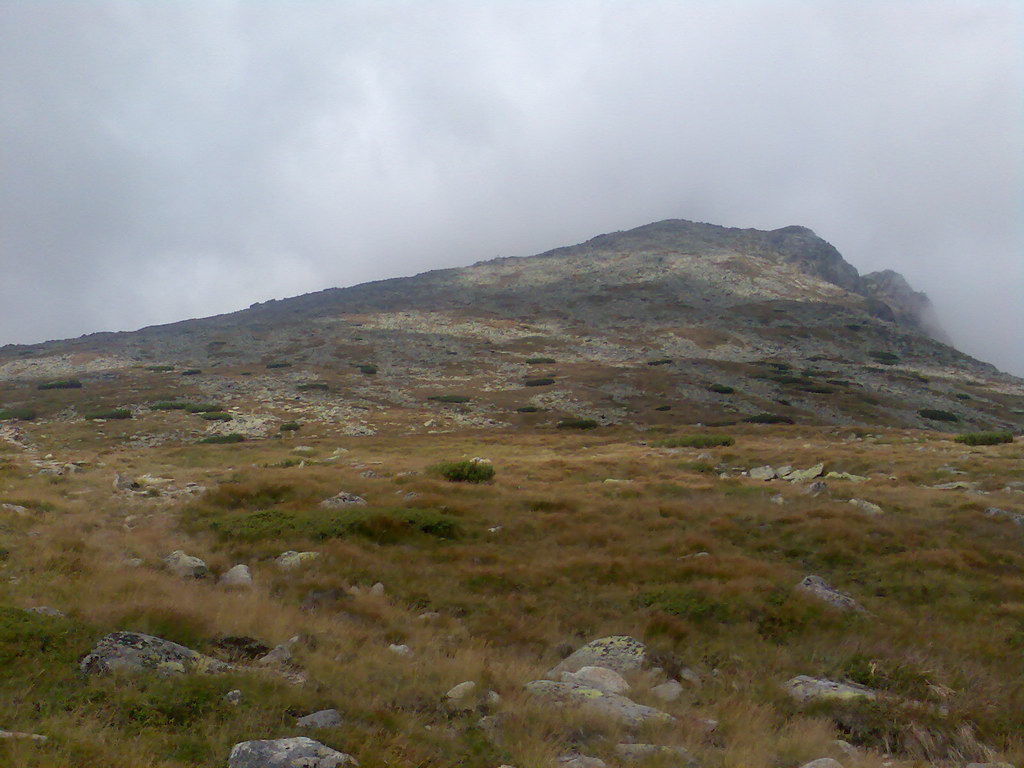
x: 683, y: 496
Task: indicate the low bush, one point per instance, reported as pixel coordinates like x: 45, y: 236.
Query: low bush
x: 663, y: 408
x: 721, y: 389
x: 160, y: 368
x: 215, y: 416
x: 290, y: 426
x: 449, y: 398
x: 203, y: 408
x: 369, y: 370
x: 545, y: 382
x: 985, y: 438
x: 465, y: 471
x: 577, y: 423
x: 934, y: 414
x: 191, y: 372
x: 962, y: 396
x: 61, y: 384
x: 234, y: 437
x: 168, y: 405
x: 540, y: 360
x: 20, y: 413
x: 768, y: 418
x: 696, y: 441
x: 885, y: 358
x: 385, y: 526
x: 272, y: 366
x: 660, y: 361
x: 314, y: 386
x: 528, y: 409
x: 113, y: 413
x: 816, y: 389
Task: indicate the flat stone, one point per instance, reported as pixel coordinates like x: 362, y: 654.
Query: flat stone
x: 810, y: 689
x: 867, y: 507
x: 325, y: 718
x: 136, y: 652
x: 237, y: 576
x: 762, y: 473
x: 602, y: 678
x: 581, y: 761
x: 625, y: 711
x: 298, y: 752
x: 19, y: 735
x: 185, y: 566
x: 845, y: 476
x: 819, y: 588
x: 462, y: 691
x: 958, y: 485
x: 291, y: 559
x: 823, y: 762
x: 803, y: 475
x: 341, y: 500
x: 618, y: 652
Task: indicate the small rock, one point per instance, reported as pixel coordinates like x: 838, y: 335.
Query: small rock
x: 290, y: 560
x: 763, y: 473
x: 959, y: 485
x: 461, y: 691
x: 620, y: 653
x: 185, y: 566
x: 325, y: 718
x: 824, y: 762
x: 634, y: 753
x: 668, y: 692
x: 1004, y: 514
x: 401, y: 650
x: 45, y: 610
x: 19, y: 735
x: 278, y: 655
x: 343, y: 499
x: 845, y: 476
x: 819, y: 588
x: 287, y: 753
x: 428, y: 616
x: 237, y: 576
x: 376, y: 591
x: 233, y: 697
x: 816, y: 488
x: 867, y: 507
x: 602, y: 678
x: 805, y: 689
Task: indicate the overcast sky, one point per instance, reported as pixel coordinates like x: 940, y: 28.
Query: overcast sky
x: 164, y: 160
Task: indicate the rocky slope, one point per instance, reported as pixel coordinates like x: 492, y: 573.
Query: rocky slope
x: 647, y: 325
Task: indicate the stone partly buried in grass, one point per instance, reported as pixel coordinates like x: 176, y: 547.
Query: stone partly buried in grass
x: 287, y: 753
x: 819, y: 588
x: 620, y: 653
x: 136, y: 652
x: 811, y: 690
x: 619, y: 708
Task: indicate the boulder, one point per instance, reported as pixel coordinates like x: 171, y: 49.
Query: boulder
x: 811, y: 689
x: 762, y: 473
x: 291, y: 559
x: 400, y: 650
x: 846, y: 476
x: 136, y: 652
x: 668, y: 692
x: 867, y: 507
x: 620, y: 653
x: 803, y: 475
x: 819, y: 588
x: 237, y: 576
x: 602, y: 678
x: 341, y: 500
x: 185, y: 566
x: 824, y: 762
x: 619, y: 708
x: 325, y: 718
x: 1004, y: 514
x: 287, y: 753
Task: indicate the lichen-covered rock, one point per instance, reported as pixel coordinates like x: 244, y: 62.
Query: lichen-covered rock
x: 812, y: 689
x: 325, y: 718
x: 341, y: 500
x: 803, y: 475
x: 762, y: 473
x: 136, y: 652
x: 237, y: 576
x: 291, y: 559
x: 602, y: 678
x: 867, y: 507
x: 819, y: 588
x: 613, y: 705
x: 185, y: 566
x: 618, y: 652
x: 298, y: 752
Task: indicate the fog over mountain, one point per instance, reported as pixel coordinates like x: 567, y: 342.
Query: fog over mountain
x: 168, y: 160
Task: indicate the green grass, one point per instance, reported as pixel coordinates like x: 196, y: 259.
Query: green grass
x: 540, y: 360
x: 696, y: 441
x: 112, y: 413
x: 290, y: 426
x: 215, y: 416
x: 527, y: 409
x: 168, y: 405
x: 20, y: 413
x: 233, y: 437
x: 191, y: 372
x: 314, y: 386
x: 61, y: 384
x: 660, y: 361
x: 984, y: 438
x: 464, y: 471
x: 203, y: 408
x: 273, y: 366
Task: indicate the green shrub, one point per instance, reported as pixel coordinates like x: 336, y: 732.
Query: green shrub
x: 113, y: 413
x: 215, y: 416
x: 540, y: 360
x: 465, y: 471
x: 768, y: 418
x: 449, y: 398
x: 696, y: 441
x: 290, y: 426
x: 885, y: 358
x: 663, y: 408
x: 369, y: 370
x: 985, y: 438
x: 203, y: 408
x: 935, y: 414
x: 816, y: 389
x: 61, y: 384
x: 962, y: 396
x: 660, y: 361
x: 313, y: 386
x: 539, y: 382
x: 159, y: 368
x: 234, y: 437
x: 272, y: 366
x: 528, y: 409
x: 191, y: 372
x: 577, y: 423
x: 21, y: 413
x: 721, y: 389
x: 168, y: 405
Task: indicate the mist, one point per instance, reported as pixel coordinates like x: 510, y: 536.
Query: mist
x: 160, y: 161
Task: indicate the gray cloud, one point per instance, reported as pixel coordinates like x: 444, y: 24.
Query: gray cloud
x: 165, y: 160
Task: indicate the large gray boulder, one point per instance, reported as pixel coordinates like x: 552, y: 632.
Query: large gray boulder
x: 325, y: 718
x: 602, y: 678
x: 298, y: 752
x: 619, y: 708
x: 136, y: 652
x: 185, y: 566
x: 238, y: 576
x: 620, y: 653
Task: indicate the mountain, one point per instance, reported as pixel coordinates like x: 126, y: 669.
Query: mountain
x: 675, y: 321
